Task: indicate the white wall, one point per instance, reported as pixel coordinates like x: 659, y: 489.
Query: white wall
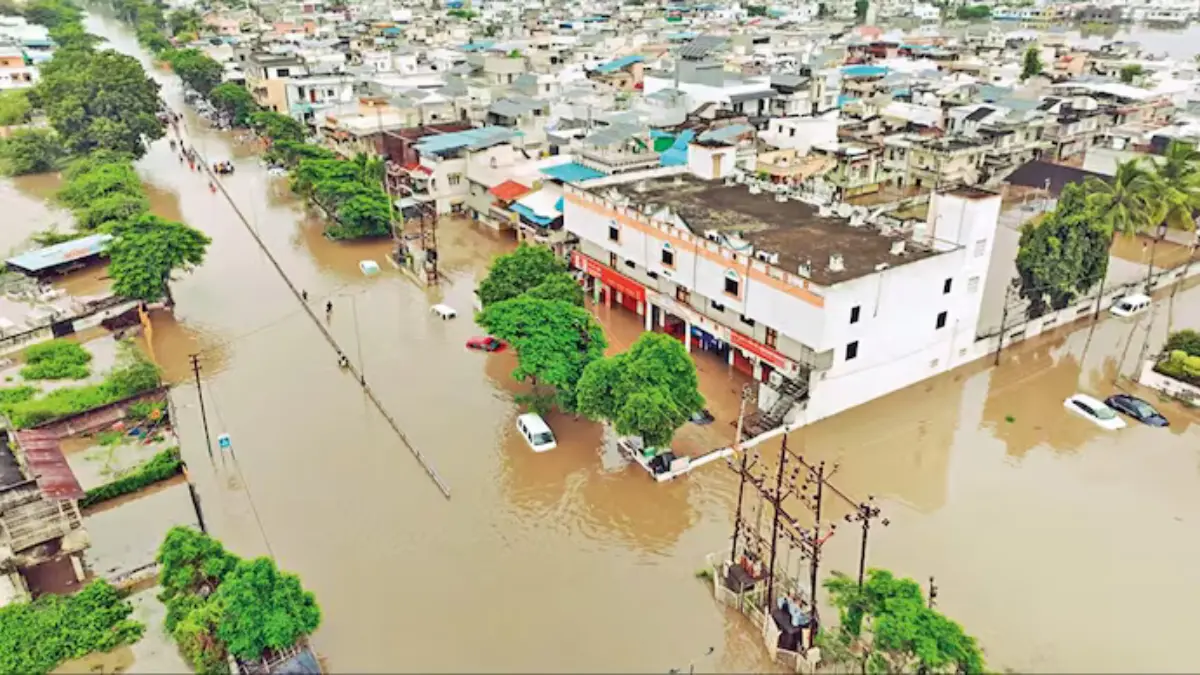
x: 801, y: 134
x: 711, y: 163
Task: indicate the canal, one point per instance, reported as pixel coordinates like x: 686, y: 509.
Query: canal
x: 1060, y: 546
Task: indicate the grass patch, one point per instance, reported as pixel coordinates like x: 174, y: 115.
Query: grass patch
x: 134, y: 375
x: 160, y: 467
x: 36, y: 637
x: 14, y: 395
x: 56, y: 360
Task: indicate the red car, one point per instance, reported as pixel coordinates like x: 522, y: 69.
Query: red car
x: 486, y: 343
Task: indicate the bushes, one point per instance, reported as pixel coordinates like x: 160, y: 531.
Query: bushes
x: 1181, y: 366
x: 14, y: 395
x: 1187, y: 341
x: 162, y: 466
x: 38, y: 636
x: 56, y: 360
x: 133, y: 375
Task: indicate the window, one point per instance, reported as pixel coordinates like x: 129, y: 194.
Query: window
x: 854, y: 312
x: 980, y: 247
x: 717, y: 306
x: 612, y: 259
x: 732, y: 283
x: 972, y: 284
x: 454, y: 178
x: 747, y: 320
x: 668, y: 255
x: 630, y: 264
x: 652, y: 274
x: 852, y: 351
x: 946, y: 286
x: 941, y: 320
x: 614, y: 233
x: 682, y: 295
x: 772, y: 337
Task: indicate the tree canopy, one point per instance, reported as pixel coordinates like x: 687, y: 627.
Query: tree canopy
x: 102, y: 190
x: 263, y: 608
x: 197, y: 70
x: 1178, y: 181
x: 887, y: 627
x: 233, y: 101
x: 649, y: 391
x: 99, y: 100
x: 1063, y: 256
x: 529, y: 269
x: 146, y: 250
x: 30, y: 151
x: 554, y: 340
x: 276, y: 126
x: 14, y: 107
x: 1031, y: 65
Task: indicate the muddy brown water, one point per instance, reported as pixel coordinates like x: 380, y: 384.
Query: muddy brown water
x: 1062, y: 547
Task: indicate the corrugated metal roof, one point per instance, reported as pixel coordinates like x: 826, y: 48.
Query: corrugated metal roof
x: 725, y: 134
x: 617, y: 64
x: 45, y: 258
x: 473, y: 139
x: 571, y: 172
x: 700, y: 47
x: 44, y: 456
x: 612, y: 134
x: 515, y: 106
x: 753, y: 95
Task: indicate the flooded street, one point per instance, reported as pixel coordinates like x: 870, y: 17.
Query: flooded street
x: 1060, y: 546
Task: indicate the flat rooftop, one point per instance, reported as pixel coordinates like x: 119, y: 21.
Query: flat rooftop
x: 792, y: 229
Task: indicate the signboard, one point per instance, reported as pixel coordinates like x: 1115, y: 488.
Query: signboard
x: 760, y: 350
x: 618, y: 282
x: 224, y: 442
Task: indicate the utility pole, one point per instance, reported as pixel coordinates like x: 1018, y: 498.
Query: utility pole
x: 777, y: 498
x: 933, y: 591
x: 200, y: 393
x: 865, y: 513
x: 742, y: 472
x: 1003, y: 323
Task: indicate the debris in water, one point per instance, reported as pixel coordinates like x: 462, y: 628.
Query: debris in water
x: 1010, y: 419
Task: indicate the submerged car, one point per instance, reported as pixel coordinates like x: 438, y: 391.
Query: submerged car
x: 702, y: 417
x: 1094, y: 411
x: 486, y: 343
x: 1137, y: 409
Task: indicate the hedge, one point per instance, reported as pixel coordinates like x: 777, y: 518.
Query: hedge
x: 162, y: 466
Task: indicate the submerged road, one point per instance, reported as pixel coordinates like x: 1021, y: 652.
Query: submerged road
x: 1062, y: 547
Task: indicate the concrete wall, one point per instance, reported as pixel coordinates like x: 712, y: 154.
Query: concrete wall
x: 1168, y: 385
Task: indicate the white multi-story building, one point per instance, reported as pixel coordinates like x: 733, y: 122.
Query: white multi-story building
x: 827, y: 313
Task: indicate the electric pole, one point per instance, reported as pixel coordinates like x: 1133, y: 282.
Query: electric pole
x: 865, y: 513
x: 200, y: 393
x: 933, y: 591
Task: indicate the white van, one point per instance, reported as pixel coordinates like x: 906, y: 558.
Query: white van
x: 1131, y: 305
x: 536, y: 432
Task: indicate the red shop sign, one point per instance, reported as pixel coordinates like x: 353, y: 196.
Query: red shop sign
x: 761, y: 351
x: 614, y: 280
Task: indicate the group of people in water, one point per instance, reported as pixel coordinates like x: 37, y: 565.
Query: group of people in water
x: 189, y: 155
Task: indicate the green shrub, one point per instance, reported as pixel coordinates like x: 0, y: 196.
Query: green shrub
x: 36, y: 637
x: 12, y: 395
x: 1181, y: 366
x: 56, y: 360
x: 162, y: 466
x: 1187, y: 341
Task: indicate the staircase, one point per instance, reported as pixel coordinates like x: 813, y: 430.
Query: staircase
x: 759, y: 422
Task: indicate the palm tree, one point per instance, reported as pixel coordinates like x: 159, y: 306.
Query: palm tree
x: 1126, y: 205
x: 1178, y: 178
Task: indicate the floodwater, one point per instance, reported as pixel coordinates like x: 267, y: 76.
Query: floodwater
x: 1062, y: 547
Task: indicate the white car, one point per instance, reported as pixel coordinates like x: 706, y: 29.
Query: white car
x: 1094, y: 411
x: 1131, y: 305
x: 536, y: 432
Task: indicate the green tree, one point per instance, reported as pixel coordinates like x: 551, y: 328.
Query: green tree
x: 196, y: 69
x: 649, y: 391
x: 73, y: 36
x: 822, y: 11
x: 53, y: 13
x: 99, y: 100
x: 363, y: 215
x: 185, y: 21
x: 89, y: 181
x: 30, y: 151
x: 1131, y: 72
x: 14, y: 107
x: 1186, y: 341
x: 1031, y: 66
x: 554, y: 340
x: 973, y: 12
x: 887, y: 627
x: 190, y: 563
x: 518, y: 272
x: 147, y: 250
x: 276, y: 126
x: 110, y: 209
x: 233, y: 101
x: 291, y: 153
x: 558, y: 286
x: 860, y: 10
x: 1178, y: 183
x: 1062, y: 256
x: 263, y: 608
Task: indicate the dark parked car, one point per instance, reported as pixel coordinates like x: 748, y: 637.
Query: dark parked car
x: 1137, y: 409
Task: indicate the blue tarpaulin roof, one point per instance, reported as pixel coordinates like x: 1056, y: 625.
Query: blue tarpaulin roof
x: 52, y: 256
x: 559, y: 204
x: 864, y: 71
x: 527, y: 213
x: 471, y: 139
x: 571, y: 172
x: 617, y: 64
x: 844, y: 99
x: 477, y: 46
x: 726, y: 134
x: 676, y: 155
